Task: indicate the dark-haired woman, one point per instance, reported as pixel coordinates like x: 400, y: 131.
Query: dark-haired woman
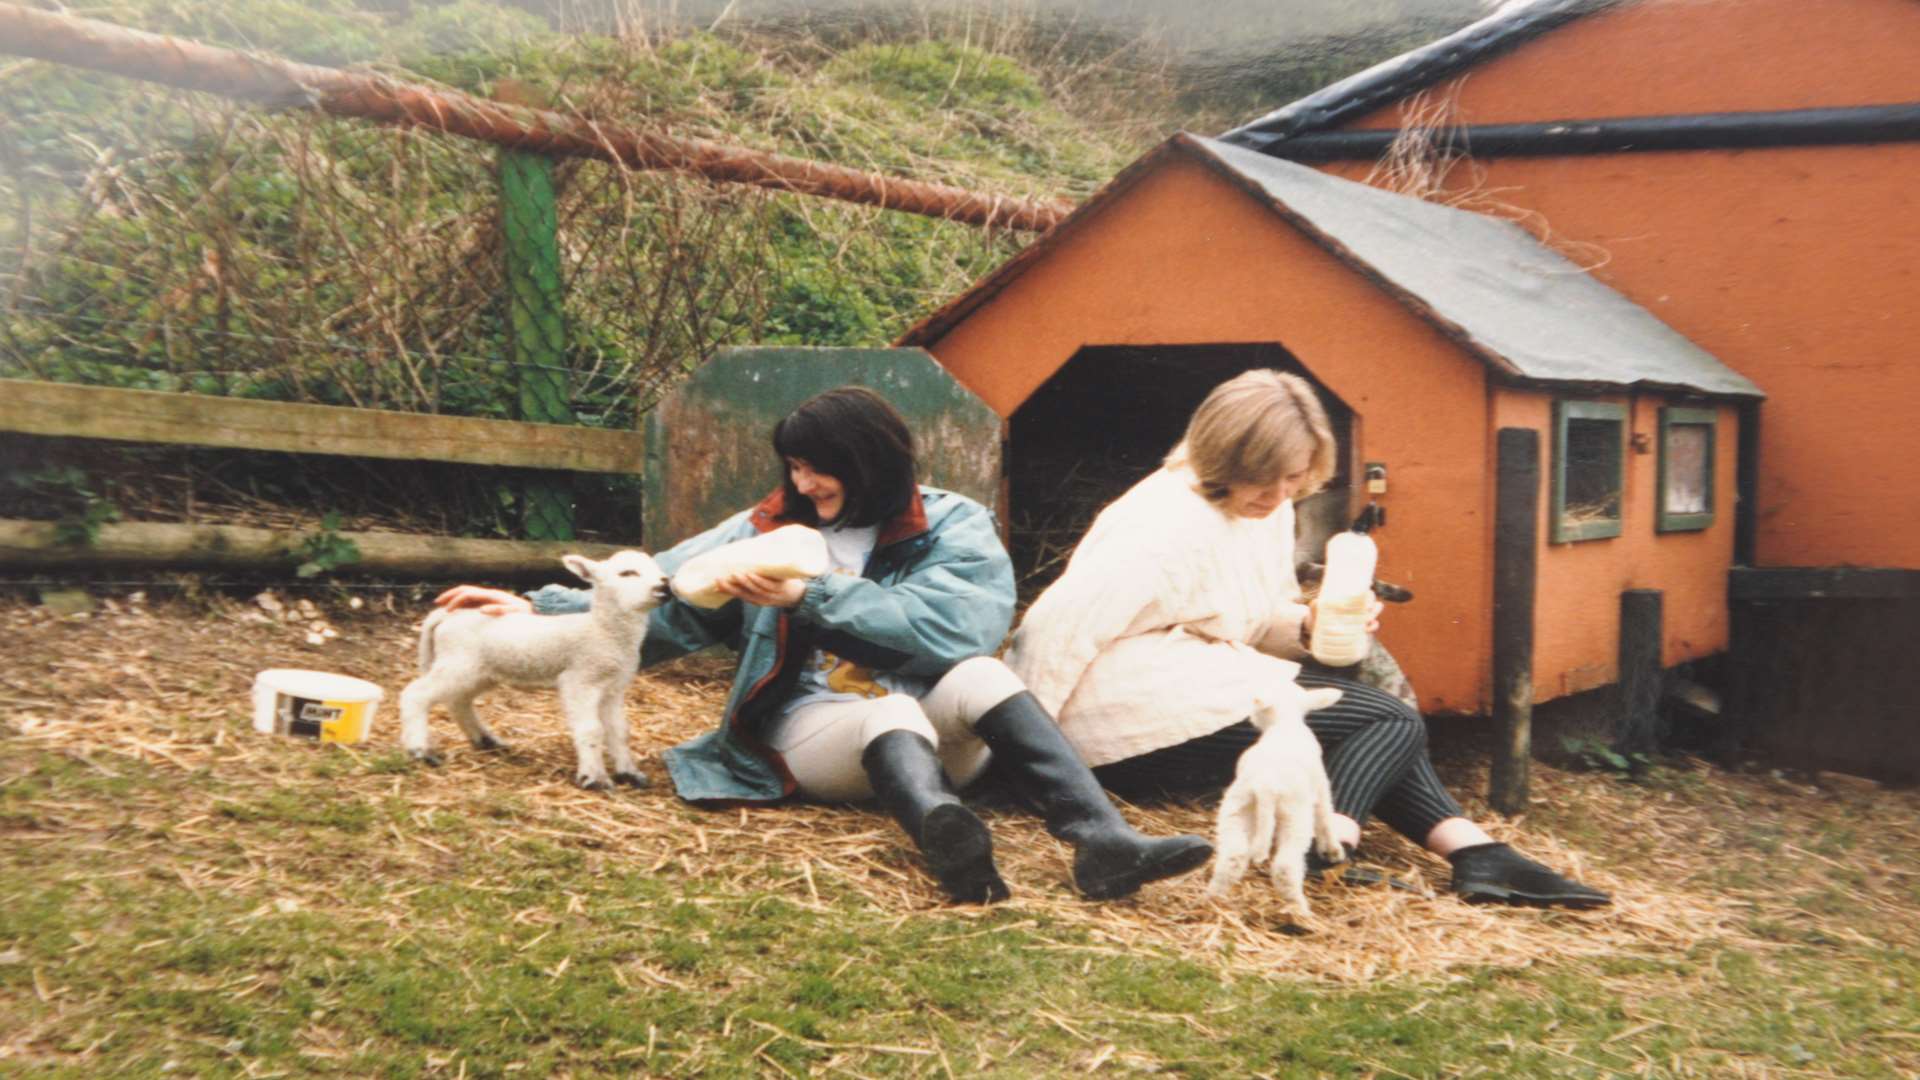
x: 877, y: 679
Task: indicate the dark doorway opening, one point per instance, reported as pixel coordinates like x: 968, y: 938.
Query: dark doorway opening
x: 1107, y: 418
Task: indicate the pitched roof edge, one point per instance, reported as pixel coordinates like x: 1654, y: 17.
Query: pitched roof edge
x: 1422, y: 310
x: 1395, y: 78
x: 950, y: 314
x: 943, y: 318
x: 1500, y: 368
x: 1636, y: 386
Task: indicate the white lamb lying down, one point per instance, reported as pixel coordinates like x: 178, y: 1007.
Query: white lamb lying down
x: 1279, y: 802
x: 591, y: 656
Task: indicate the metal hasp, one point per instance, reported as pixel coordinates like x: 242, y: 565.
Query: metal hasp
x: 709, y: 445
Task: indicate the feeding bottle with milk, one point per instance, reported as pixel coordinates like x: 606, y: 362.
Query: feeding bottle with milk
x: 1339, y: 636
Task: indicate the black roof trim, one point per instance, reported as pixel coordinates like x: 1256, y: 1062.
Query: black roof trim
x: 1391, y: 80
x: 1856, y: 124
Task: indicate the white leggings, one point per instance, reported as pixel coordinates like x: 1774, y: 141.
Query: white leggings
x: 822, y: 743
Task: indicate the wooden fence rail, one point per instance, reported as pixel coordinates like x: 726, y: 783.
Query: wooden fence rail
x: 34, y: 545
x: 149, y: 416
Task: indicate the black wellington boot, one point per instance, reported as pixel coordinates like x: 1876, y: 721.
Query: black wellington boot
x: 909, y: 782
x: 1110, y: 859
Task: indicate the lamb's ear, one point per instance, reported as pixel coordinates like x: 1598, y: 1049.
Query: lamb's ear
x: 1319, y: 699
x: 581, y: 566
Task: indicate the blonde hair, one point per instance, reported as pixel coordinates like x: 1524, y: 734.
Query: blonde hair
x: 1256, y: 428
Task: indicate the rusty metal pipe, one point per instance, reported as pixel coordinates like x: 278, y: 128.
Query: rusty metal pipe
x: 191, y: 65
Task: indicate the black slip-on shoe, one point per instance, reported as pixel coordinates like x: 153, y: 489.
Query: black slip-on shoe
x: 1497, y: 874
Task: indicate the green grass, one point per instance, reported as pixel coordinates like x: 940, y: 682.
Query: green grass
x: 271, y: 938
x: 499, y: 998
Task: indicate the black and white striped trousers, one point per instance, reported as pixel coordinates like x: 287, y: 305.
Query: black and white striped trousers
x: 1374, y: 745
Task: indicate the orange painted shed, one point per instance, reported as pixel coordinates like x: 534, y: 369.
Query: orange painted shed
x: 1794, y: 258
x: 1426, y: 329
x: 1744, y: 169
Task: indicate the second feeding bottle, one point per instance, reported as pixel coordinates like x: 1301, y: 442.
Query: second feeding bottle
x: 1339, y: 637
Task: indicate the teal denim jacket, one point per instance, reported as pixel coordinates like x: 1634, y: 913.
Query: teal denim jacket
x: 937, y: 590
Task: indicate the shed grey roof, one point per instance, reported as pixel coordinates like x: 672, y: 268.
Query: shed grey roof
x: 1484, y: 282
x: 1531, y: 315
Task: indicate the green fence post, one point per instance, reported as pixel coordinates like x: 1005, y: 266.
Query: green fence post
x: 530, y: 225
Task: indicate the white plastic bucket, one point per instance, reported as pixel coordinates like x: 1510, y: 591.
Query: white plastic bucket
x: 316, y: 705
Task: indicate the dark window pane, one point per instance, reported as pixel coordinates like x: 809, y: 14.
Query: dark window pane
x: 1592, y: 471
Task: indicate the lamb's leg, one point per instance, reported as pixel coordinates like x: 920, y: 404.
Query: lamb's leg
x: 580, y: 700
x: 1324, y: 836
x: 1264, y: 814
x: 1294, y: 833
x: 416, y: 702
x: 613, y: 721
x: 1233, y: 839
x: 478, y: 733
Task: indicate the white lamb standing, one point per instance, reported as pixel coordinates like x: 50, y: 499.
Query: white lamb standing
x: 1279, y: 802
x: 590, y: 656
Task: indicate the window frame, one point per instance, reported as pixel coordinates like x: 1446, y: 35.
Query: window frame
x: 1565, y: 411
x: 1672, y: 416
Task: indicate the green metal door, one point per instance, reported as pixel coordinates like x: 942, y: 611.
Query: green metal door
x: 709, y: 448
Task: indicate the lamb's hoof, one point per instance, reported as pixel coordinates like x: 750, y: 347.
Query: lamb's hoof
x: 632, y: 779
x: 488, y: 742
x: 427, y: 757
x: 594, y: 783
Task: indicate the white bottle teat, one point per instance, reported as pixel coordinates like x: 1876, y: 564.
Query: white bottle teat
x: 1340, y: 611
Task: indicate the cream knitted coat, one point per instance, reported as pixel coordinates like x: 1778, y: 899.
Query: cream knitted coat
x: 1173, y: 620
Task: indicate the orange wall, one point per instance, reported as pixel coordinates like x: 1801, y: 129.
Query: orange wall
x: 1577, y: 606
x: 1186, y: 258
x: 1798, y: 267
x: 1657, y: 57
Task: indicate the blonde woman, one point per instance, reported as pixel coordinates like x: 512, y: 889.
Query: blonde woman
x: 1179, y: 618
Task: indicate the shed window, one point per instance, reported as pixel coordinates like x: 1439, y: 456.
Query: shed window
x: 1587, y: 460
x: 1685, y: 490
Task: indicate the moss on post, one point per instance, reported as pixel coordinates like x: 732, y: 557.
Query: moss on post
x: 529, y: 223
